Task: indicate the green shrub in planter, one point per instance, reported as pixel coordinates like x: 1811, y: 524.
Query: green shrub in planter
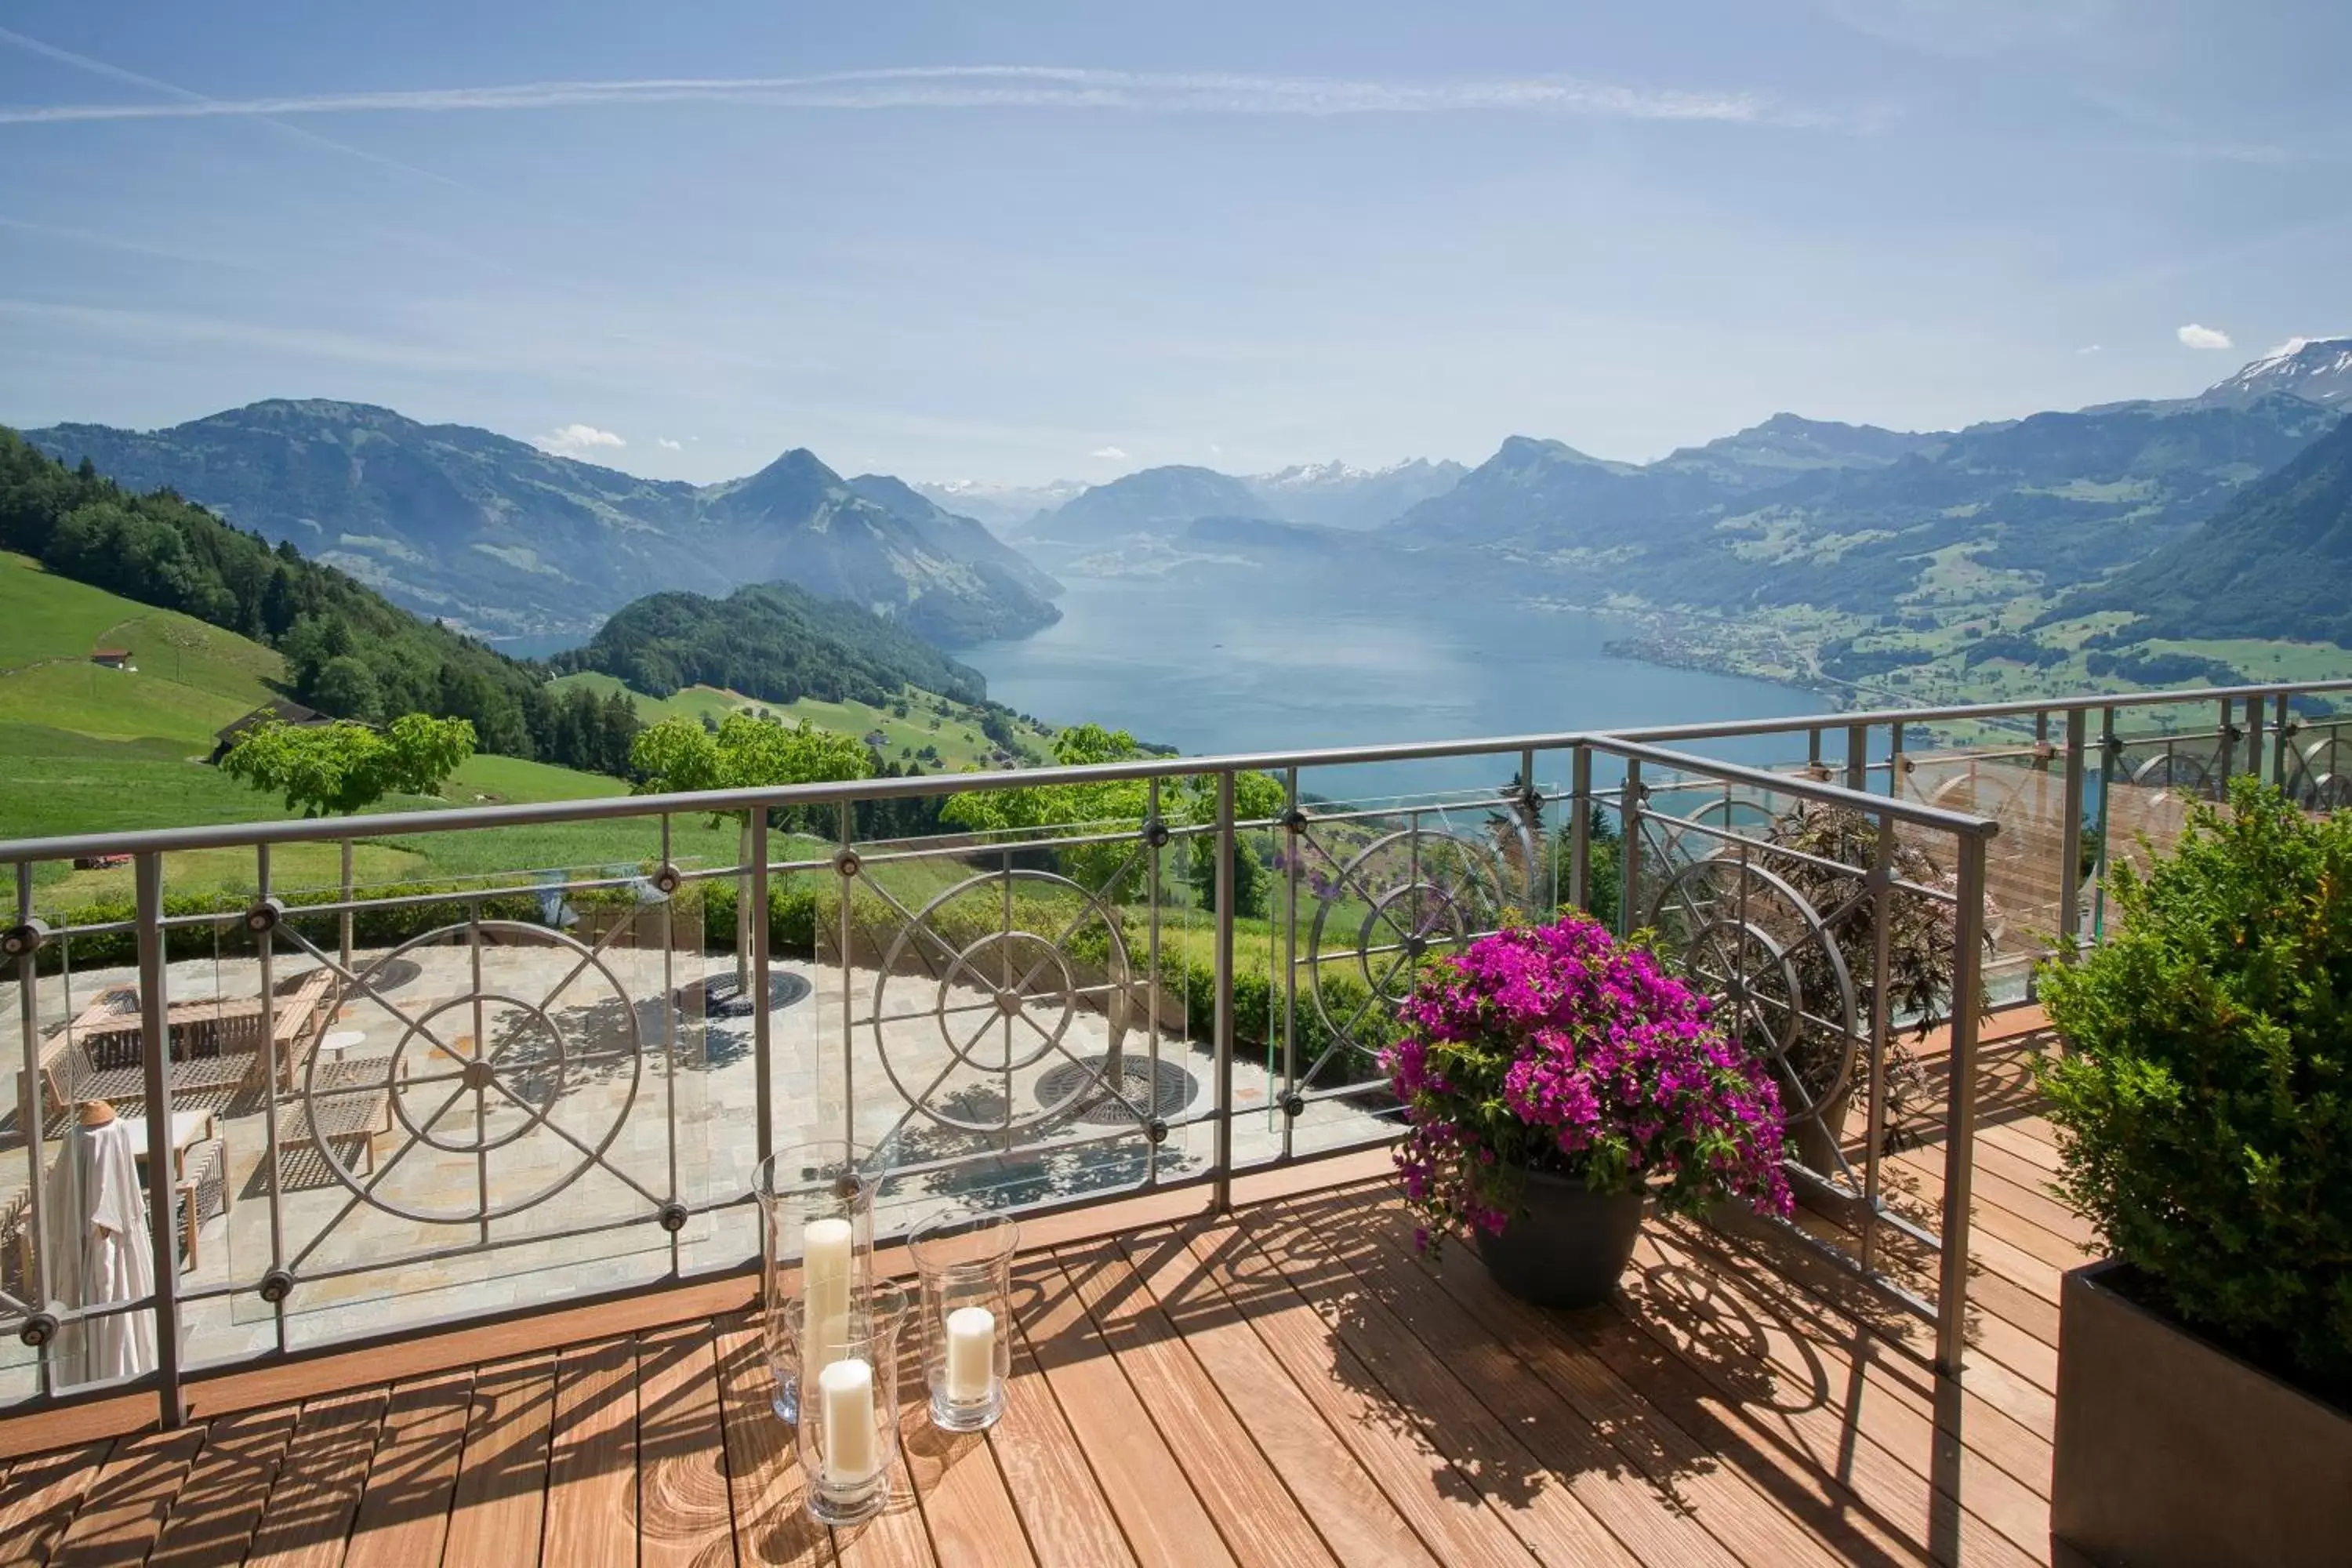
x: 2206, y: 1108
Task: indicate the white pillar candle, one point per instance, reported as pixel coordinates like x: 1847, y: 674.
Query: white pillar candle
x: 846, y: 1388
x: 826, y: 1269
x: 972, y: 1354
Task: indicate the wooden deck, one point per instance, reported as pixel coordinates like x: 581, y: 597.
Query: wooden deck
x: 1284, y: 1385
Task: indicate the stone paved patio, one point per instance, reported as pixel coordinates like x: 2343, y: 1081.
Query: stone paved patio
x: 607, y: 1088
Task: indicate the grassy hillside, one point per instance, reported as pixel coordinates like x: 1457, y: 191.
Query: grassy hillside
x: 89, y: 749
x: 189, y: 678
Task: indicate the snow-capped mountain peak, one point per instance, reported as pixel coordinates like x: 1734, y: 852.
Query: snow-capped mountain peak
x: 2317, y: 368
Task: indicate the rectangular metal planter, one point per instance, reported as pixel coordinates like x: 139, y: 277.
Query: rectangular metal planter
x: 2172, y: 1451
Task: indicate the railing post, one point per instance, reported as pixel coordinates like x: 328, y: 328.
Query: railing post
x: 1530, y: 806
x: 2070, y: 839
x: 2110, y: 759
x: 763, y: 1056
x: 2254, y: 736
x: 1960, y: 1108
x: 1881, y: 943
x: 1629, y: 846
x: 1857, y: 756
x: 29, y: 1104
x: 154, y: 1047
x: 343, y: 923
x: 1290, y: 963
x: 1894, y: 759
x: 1224, y: 982
x: 2279, y: 739
x: 2225, y: 745
x: 1580, y: 829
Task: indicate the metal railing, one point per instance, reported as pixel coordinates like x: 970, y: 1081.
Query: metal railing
x: 411, y: 1098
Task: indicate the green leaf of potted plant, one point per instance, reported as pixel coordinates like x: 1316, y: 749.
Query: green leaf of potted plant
x: 2204, y: 1111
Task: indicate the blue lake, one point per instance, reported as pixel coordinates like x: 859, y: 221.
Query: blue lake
x: 1219, y: 658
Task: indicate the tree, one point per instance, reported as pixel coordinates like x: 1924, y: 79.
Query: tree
x: 1187, y: 802
x: 679, y: 755
x: 347, y: 688
x: 349, y: 767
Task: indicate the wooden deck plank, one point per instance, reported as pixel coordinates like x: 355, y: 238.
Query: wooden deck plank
x: 498, y: 1509
x: 1357, y: 1521
x: 1546, y: 1512
x: 1158, y: 1512
x: 1068, y: 1520
x: 1718, y: 1421
x: 220, y: 1506
x: 685, y: 1515
x: 1440, y: 1501
x: 1262, y: 1522
x: 1841, y: 1404
x: 40, y: 1498
x: 308, y: 1522
x: 1748, y: 1521
x: 1647, y: 1522
x: 1826, y: 1303
x: 120, y: 1519
x: 1289, y: 1384
x: 404, y: 1518
x: 592, y: 1462
x: 967, y: 1512
x: 768, y: 1499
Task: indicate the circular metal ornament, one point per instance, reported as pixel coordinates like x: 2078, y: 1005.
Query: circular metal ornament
x: 1022, y: 988
x: 535, y: 1085
x: 23, y: 941
x: 1421, y: 892
x: 276, y: 1286
x: 1749, y: 937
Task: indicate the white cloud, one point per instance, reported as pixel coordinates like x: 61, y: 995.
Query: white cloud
x: 2090, y: 348
x: 996, y: 87
x: 666, y: 445
x: 2197, y: 337
x: 573, y: 440
x: 1111, y: 454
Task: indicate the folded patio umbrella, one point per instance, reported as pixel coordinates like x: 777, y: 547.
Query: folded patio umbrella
x: 99, y: 1251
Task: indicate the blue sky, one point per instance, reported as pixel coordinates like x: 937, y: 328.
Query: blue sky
x: 1023, y: 241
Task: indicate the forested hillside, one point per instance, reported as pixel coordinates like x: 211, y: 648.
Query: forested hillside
x: 2275, y: 562
x: 771, y: 641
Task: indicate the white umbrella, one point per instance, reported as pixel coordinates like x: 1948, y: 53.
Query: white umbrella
x: 99, y: 1251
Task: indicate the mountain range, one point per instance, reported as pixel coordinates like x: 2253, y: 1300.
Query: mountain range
x: 1161, y: 500
x: 498, y: 537
x: 1868, y: 518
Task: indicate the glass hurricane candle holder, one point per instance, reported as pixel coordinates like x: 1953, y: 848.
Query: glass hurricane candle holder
x: 965, y: 1263
x: 817, y: 1245
x: 848, y: 1429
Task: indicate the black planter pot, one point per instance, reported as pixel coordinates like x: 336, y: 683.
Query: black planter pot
x: 1568, y: 1246
x: 2170, y: 1450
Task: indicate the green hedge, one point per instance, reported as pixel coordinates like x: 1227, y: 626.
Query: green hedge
x: 2205, y: 1107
